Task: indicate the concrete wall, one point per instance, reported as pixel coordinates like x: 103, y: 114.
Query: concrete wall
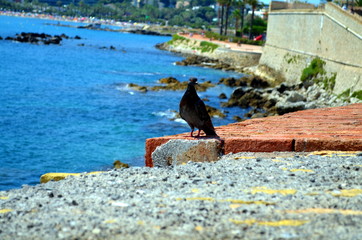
x: 296, y: 37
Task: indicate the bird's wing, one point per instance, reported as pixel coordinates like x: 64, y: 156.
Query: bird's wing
x: 201, y: 110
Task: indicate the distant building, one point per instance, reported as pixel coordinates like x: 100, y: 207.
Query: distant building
x: 182, y: 3
x: 141, y: 3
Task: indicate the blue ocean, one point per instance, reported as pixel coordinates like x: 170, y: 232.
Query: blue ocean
x: 68, y: 107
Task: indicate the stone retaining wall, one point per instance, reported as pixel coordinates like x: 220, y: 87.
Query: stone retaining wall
x: 236, y: 59
x: 296, y: 37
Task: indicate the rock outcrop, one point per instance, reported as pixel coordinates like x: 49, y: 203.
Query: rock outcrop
x: 179, y: 151
x: 37, y: 38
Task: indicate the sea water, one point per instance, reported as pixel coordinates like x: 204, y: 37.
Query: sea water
x: 68, y: 107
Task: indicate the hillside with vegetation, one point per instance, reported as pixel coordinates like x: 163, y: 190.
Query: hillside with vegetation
x: 224, y: 15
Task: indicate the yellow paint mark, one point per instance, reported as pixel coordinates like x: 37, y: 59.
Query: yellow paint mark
x: 244, y: 157
x: 247, y: 221
x: 233, y: 206
x: 297, y: 170
x: 300, y: 170
x: 60, y: 176
x: 348, y: 193
x: 326, y: 211
x: 312, y: 194
x: 286, y: 222
x: 281, y: 161
x: 110, y: 221
x: 4, y: 198
x: 273, y: 191
x: 331, y: 153
x: 5, y: 210
x: 235, y: 201
x: 140, y: 222
x: 199, y: 228
x: 195, y: 190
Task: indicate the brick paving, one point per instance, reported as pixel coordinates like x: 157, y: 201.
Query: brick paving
x: 336, y: 128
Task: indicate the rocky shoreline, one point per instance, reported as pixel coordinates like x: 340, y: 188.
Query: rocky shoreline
x: 265, y: 98
x: 252, y: 91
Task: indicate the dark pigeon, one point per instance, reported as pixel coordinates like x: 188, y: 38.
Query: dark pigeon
x: 193, y: 111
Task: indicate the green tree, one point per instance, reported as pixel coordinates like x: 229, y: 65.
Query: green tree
x: 237, y: 16
x: 254, y: 4
x: 221, y: 10
x: 227, y: 12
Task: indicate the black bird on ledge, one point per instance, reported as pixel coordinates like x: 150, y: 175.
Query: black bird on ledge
x: 193, y: 111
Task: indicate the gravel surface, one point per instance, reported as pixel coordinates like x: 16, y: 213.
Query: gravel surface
x: 242, y: 196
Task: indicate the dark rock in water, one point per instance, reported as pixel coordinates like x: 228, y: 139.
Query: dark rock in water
x: 54, y: 40
x: 214, y: 112
x: 39, y: 38
x: 257, y: 82
x: 233, y: 82
x: 118, y: 164
x: 238, y: 119
x: 234, y: 98
x: 162, y: 46
x: 170, y: 84
x: 168, y: 80
x: 36, y: 38
x: 64, y: 36
x: 77, y: 37
x: 195, y: 60
x: 112, y: 47
x: 1, y: 38
x: 222, y: 96
x: 138, y: 87
x: 148, y: 32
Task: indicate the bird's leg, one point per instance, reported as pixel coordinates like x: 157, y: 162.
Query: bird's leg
x: 198, y: 134
x: 192, y: 130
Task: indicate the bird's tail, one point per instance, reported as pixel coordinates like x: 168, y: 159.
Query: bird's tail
x: 209, y: 129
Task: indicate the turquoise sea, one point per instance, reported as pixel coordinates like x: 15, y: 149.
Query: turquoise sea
x: 67, y: 108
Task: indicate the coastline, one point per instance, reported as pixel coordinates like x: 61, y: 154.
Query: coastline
x: 266, y: 97
x: 243, y: 195
x: 130, y: 27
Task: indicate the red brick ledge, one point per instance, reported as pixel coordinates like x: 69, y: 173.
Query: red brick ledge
x: 337, y: 128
